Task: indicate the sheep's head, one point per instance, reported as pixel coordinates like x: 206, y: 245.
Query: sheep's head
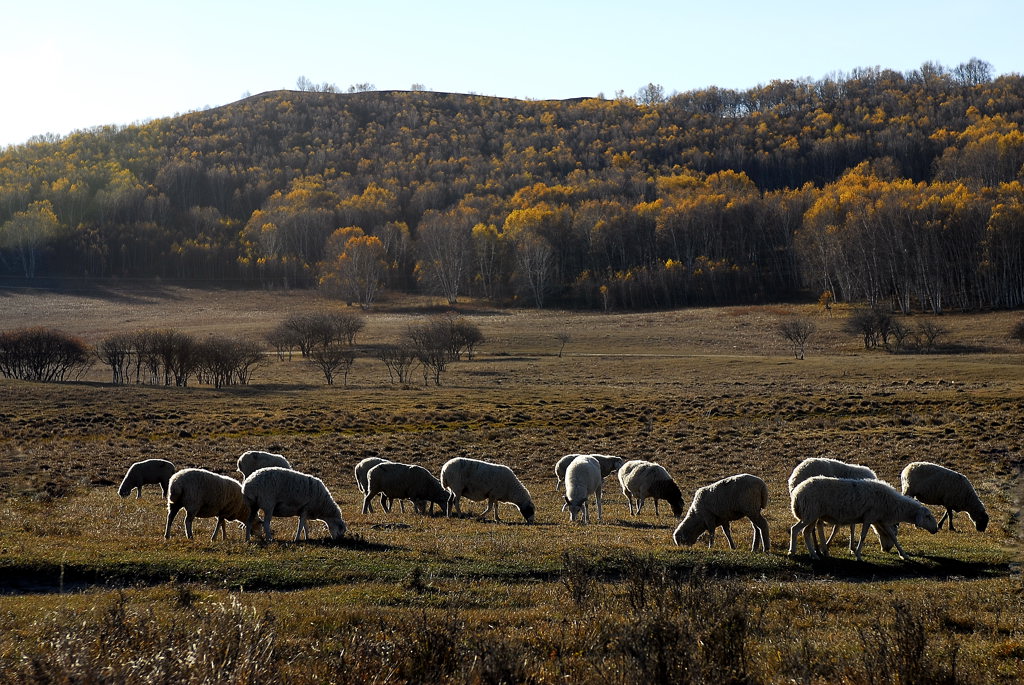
x: 688, y: 531
x: 980, y: 520
x: 336, y: 525
x: 925, y: 519
x: 528, y: 511
x: 125, y: 489
x: 574, y: 509
x: 677, y: 507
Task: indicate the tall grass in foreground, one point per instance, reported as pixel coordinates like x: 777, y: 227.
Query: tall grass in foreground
x: 648, y: 623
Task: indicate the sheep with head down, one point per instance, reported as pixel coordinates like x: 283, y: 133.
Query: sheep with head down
x: 848, y: 501
x: 405, y: 481
x: 204, y: 494
x: 583, y: 479
x: 834, y: 468
x: 721, y: 502
x: 934, y: 484
x: 482, y: 480
x: 146, y: 472
x: 283, y: 492
x: 642, y: 479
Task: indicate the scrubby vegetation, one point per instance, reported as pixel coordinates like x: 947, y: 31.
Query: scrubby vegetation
x: 95, y: 593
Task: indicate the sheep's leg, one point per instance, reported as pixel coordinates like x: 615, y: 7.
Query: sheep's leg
x: 711, y: 536
x: 656, y: 512
x: 401, y: 505
x: 254, y: 515
x: 899, y: 549
x: 794, y: 532
x: 599, y: 499
x: 860, y: 544
x: 172, y: 511
x: 809, y: 540
x: 219, y: 527
x: 138, y: 492
x: 949, y: 513
x: 367, y: 507
x: 267, y: 515
x: 302, y: 524
x: 760, y: 524
x: 386, y: 502
x: 189, y: 518
x: 586, y: 511
x: 496, y: 504
x: 728, y: 534
x: 640, y: 501
x: 163, y: 489
x: 629, y: 501
x: 487, y: 509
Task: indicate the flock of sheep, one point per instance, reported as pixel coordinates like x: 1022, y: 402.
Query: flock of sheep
x: 822, y: 491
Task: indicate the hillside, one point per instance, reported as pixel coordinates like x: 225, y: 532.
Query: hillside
x: 874, y: 185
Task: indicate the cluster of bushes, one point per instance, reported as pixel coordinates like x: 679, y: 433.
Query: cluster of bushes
x: 167, y: 356
x: 879, y: 328
x: 325, y: 340
x: 39, y: 354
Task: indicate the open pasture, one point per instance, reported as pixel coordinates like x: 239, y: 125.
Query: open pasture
x: 405, y: 598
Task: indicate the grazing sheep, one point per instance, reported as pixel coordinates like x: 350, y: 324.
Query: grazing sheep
x: 254, y: 460
x: 643, y: 479
x: 583, y: 479
x: 283, y: 492
x: 933, y: 484
x: 204, y: 494
x: 721, y: 502
x: 848, y: 501
x: 609, y: 465
x: 405, y: 481
x: 146, y: 472
x: 481, y: 480
x: 834, y: 468
x: 363, y: 468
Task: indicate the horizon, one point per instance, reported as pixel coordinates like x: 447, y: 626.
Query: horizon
x: 79, y: 68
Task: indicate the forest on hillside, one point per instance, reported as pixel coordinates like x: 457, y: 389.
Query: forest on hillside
x: 898, y: 189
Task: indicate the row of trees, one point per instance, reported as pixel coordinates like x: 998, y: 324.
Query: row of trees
x: 170, y: 356
x: 875, y: 185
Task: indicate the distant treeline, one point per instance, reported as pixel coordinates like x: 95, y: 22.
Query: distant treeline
x: 893, y: 188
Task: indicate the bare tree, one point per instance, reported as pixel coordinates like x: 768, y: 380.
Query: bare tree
x: 930, y: 333
x: 331, y: 359
x: 398, y: 359
x: 115, y: 351
x: 797, y: 330
x: 564, y: 338
x: 39, y: 354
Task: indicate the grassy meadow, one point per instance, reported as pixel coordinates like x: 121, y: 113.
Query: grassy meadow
x: 93, y: 593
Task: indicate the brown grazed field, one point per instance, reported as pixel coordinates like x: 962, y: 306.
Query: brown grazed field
x: 707, y: 393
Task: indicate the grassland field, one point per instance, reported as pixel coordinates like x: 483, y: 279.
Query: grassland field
x: 408, y: 598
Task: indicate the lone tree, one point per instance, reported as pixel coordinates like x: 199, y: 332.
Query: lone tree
x: 797, y: 331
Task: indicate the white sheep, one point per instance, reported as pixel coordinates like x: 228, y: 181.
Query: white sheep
x: 583, y: 479
x: 834, y: 468
x: 254, y: 460
x: 481, y: 480
x: 933, y: 484
x: 405, y: 481
x: 146, y: 472
x: 283, y: 492
x: 848, y: 501
x: 642, y: 479
x: 609, y: 465
x: 722, y: 502
x: 204, y: 494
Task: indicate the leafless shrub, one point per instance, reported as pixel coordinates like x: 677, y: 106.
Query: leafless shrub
x: 797, y: 331
x: 398, y: 359
x: 40, y: 354
x: 333, y: 359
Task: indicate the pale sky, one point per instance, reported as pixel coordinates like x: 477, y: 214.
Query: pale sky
x: 74, y: 65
